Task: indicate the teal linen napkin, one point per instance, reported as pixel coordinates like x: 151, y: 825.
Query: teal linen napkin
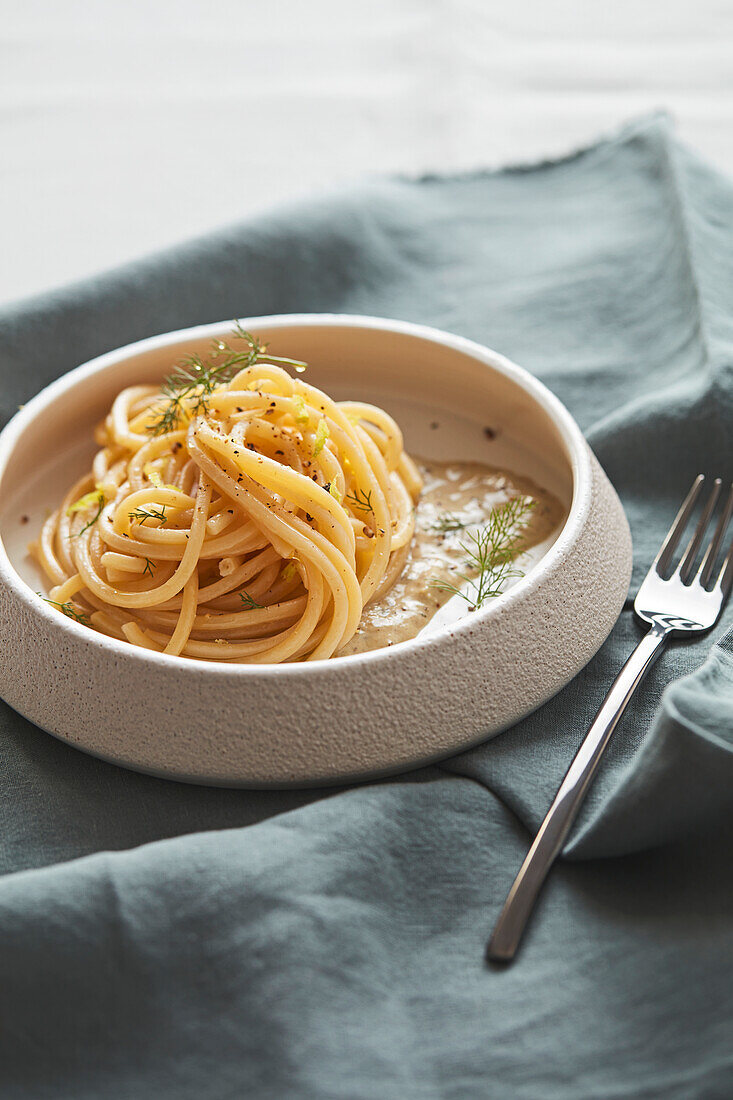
x: 217, y: 943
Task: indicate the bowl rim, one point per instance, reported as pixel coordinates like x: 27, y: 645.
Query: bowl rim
x: 577, y: 452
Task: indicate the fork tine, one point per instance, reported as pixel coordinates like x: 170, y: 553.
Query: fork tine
x: 725, y: 577
x: 705, y: 571
x: 725, y: 580
x: 688, y: 558
x: 669, y: 545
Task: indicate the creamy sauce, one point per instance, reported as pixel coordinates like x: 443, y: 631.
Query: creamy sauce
x: 461, y: 495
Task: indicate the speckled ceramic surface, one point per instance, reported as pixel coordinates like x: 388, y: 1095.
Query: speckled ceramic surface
x: 347, y: 718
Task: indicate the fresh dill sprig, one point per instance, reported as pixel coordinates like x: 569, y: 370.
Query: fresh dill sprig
x: 195, y: 373
x: 171, y: 413
x: 149, y: 567
x: 148, y: 511
x: 259, y: 351
x: 69, y: 610
x: 447, y: 523
x: 491, y: 552
x: 194, y: 380
x: 95, y: 517
x: 360, y: 500
x: 249, y: 601
x: 101, y: 500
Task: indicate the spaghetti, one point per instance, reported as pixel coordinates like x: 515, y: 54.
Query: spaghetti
x: 236, y: 513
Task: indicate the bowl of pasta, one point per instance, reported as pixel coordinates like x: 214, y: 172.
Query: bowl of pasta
x: 298, y: 550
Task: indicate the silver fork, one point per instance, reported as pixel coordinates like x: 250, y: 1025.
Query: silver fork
x: 676, y: 603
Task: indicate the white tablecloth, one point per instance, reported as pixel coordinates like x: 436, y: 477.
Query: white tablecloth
x: 129, y: 126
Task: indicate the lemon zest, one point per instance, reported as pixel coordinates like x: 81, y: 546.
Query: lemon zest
x: 302, y: 415
x: 290, y: 570
x: 322, y: 434
x: 155, y: 479
x: 89, y: 499
x: 152, y: 475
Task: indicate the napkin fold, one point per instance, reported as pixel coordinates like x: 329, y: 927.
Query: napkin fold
x: 159, y: 939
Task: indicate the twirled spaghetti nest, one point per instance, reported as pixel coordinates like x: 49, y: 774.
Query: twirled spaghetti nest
x: 236, y: 513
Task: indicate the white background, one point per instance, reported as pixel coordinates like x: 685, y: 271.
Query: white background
x: 127, y: 126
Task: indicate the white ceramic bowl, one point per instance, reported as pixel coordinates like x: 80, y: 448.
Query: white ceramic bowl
x: 345, y: 718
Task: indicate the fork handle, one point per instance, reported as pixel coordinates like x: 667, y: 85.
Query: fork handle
x: 569, y: 798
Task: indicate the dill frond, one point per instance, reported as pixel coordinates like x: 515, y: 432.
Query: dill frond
x: 95, y: 497
x: 196, y: 378
x: 249, y: 601
x: 259, y: 351
x: 447, y: 523
x: 360, y: 500
x: 491, y: 552
x: 171, y: 414
x: 149, y: 511
x: 69, y: 610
